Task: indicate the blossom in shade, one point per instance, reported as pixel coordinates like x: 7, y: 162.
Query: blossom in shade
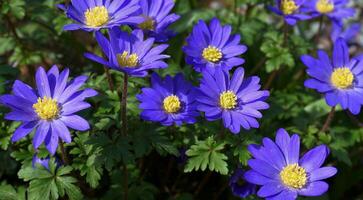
x: 339, y: 79
x: 169, y: 101
x: 282, y: 175
x: 40, y: 161
x: 50, y: 109
x: 237, y: 100
x: 213, y: 46
x: 157, y: 18
x: 349, y: 34
x: 335, y: 10
x: 129, y: 53
x: 93, y: 15
x: 239, y: 186
x: 290, y: 10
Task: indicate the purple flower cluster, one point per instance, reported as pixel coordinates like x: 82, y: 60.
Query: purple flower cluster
x: 297, y: 10
x: 224, y: 92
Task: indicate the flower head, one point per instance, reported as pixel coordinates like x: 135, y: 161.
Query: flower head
x: 99, y: 14
x: 290, y: 10
x: 49, y: 109
x: 277, y: 168
x: 157, y: 18
x: 349, y: 34
x: 336, y: 10
x: 237, y: 100
x: 40, y: 161
x: 239, y: 186
x: 169, y: 101
x: 130, y: 53
x: 340, y: 79
x: 213, y: 46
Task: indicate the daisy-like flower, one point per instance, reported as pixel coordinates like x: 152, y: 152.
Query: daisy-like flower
x: 349, y: 34
x: 50, y: 109
x: 239, y: 186
x: 169, y: 101
x: 157, y: 18
x: 237, y: 100
x: 212, y: 46
x: 130, y: 53
x: 336, y: 10
x: 339, y: 79
x: 93, y: 15
x: 290, y: 10
x: 283, y: 176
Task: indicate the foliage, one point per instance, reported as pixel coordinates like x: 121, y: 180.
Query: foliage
x: 185, y: 162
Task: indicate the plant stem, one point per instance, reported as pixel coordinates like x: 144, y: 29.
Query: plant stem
x: 123, y: 109
x: 124, y: 105
x: 63, y: 153
x: 273, y: 75
x: 328, y: 120
x: 109, y: 79
x: 317, y: 36
x: 202, y: 183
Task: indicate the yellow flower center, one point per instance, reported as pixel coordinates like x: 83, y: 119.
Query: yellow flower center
x: 46, y: 108
x: 342, y: 78
x: 126, y: 60
x: 324, y: 6
x: 171, y: 104
x: 288, y: 7
x: 212, y: 54
x: 228, y: 100
x: 148, y: 24
x: 293, y: 176
x: 97, y: 16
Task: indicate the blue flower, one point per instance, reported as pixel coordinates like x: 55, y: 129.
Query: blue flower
x: 290, y: 10
x: 50, y: 109
x: 157, y: 18
x: 340, y: 79
x: 169, y: 101
x: 237, y: 100
x: 212, y: 46
x: 349, y: 34
x: 93, y: 15
x: 336, y: 10
x: 130, y: 53
x: 276, y: 166
x: 39, y: 161
x: 239, y: 186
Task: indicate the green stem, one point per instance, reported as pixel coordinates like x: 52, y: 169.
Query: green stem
x: 328, y: 120
x: 63, y: 153
x: 124, y: 132
x: 317, y: 36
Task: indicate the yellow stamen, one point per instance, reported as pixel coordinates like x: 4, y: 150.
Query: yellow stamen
x: 228, y: 100
x: 148, y: 24
x: 97, y: 16
x: 46, y: 108
x: 293, y: 176
x: 126, y: 60
x: 212, y: 54
x: 324, y: 6
x: 288, y: 7
x: 342, y: 78
x: 171, y: 104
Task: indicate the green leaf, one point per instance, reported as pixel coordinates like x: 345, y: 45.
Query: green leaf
x: 277, y: 55
x: 8, y: 192
x: 50, y: 184
x: 206, y: 154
